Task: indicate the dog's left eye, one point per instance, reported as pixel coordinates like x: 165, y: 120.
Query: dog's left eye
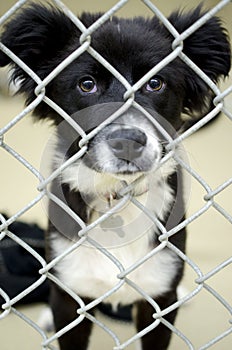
x: 154, y: 84
x: 87, y: 85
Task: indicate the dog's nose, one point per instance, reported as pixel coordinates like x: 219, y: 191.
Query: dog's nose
x: 127, y: 144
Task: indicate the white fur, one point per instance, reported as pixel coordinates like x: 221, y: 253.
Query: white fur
x: 88, y: 272
x: 88, y: 181
x: 127, y: 234
x: 45, y: 320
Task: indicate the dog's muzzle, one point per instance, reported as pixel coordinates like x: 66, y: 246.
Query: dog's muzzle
x: 127, y: 144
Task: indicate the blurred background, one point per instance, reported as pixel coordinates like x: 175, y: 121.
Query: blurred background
x: 209, y: 237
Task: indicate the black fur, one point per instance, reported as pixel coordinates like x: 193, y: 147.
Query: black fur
x: 43, y: 37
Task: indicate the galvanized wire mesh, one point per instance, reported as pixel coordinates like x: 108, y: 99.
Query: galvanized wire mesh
x: 210, y: 194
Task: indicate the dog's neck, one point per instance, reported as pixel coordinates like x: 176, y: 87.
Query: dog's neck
x: 111, y: 197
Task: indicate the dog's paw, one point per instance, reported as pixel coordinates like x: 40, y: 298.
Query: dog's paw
x: 182, y: 291
x: 45, y: 321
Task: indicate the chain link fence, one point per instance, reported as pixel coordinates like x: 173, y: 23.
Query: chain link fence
x: 210, y: 195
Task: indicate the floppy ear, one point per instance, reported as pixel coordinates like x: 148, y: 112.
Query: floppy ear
x: 209, y: 48
x: 38, y: 35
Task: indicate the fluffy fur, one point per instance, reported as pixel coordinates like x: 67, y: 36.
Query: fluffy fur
x: 127, y: 150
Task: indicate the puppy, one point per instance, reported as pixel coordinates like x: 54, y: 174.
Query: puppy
x: 120, y: 167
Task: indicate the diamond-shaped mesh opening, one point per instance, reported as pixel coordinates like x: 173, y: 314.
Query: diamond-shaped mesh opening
x: 202, y: 278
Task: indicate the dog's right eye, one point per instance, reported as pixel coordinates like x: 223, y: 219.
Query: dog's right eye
x: 87, y: 85
x: 155, y: 84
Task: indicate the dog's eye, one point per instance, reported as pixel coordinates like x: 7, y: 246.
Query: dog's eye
x: 155, y: 84
x: 87, y: 85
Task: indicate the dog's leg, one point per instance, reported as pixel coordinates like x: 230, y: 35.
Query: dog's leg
x: 64, y: 312
x: 159, y: 338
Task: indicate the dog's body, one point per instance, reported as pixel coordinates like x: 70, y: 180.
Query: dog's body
x: 128, y: 150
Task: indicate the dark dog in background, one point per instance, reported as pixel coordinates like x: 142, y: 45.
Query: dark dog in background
x: 43, y: 37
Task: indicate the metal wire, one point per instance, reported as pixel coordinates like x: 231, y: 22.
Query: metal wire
x: 123, y: 276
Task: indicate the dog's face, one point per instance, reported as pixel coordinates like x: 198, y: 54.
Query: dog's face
x: 44, y: 37
x: 131, y: 144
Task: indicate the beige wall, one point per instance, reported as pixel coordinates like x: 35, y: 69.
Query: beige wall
x: 135, y: 7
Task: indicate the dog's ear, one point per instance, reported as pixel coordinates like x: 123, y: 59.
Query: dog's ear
x: 36, y: 35
x: 39, y: 36
x: 209, y: 48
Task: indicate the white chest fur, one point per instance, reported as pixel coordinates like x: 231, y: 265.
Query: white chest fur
x: 127, y: 237
x: 90, y: 273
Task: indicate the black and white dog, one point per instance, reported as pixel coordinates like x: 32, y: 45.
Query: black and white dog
x: 129, y: 150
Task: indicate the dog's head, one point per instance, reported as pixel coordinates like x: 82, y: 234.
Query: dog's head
x: 43, y: 37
